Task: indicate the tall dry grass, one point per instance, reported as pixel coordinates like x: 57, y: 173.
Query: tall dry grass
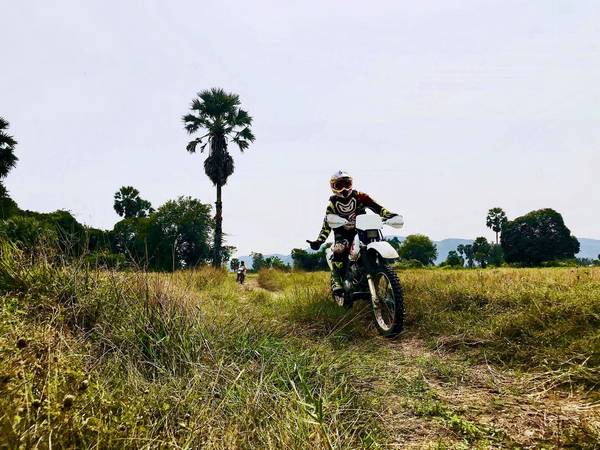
x: 96, y: 358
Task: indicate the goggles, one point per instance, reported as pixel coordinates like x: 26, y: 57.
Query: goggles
x: 342, y: 183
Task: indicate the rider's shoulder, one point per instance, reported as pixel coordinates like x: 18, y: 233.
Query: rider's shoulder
x: 362, y: 196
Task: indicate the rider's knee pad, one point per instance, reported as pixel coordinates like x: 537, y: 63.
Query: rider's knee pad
x: 339, y: 248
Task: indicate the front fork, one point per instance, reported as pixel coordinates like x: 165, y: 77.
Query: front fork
x: 370, y: 265
x: 373, y: 291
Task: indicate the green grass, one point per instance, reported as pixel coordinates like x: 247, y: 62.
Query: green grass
x: 104, y: 359
x: 532, y: 319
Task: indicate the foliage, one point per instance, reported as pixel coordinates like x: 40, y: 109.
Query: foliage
x: 183, y: 226
x: 495, y: 255
x: 105, y: 259
x: 258, y: 261
x: 226, y: 252
x: 419, y: 247
x: 496, y: 219
x: 274, y: 262
x: 310, y: 261
x: 408, y: 264
x: 8, y: 206
x: 234, y: 264
x: 395, y: 242
x: 174, y: 236
x: 454, y: 259
x: 8, y: 159
x: 128, y: 203
x: 58, y: 228
x: 537, y: 237
x: 466, y: 250
x: 27, y: 232
x: 218, y: 115
x: 481, y: 251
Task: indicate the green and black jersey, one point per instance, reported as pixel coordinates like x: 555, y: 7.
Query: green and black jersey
x: 349, y: 207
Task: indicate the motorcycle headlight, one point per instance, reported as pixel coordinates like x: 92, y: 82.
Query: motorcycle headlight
x: 372, y: 234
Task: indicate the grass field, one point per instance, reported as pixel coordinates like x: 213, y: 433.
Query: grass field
x: 499, y: 358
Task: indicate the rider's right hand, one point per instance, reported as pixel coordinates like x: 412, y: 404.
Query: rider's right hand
x: 314, y: 245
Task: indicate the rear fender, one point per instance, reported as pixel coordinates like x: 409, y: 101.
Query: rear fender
x: 384, y: 249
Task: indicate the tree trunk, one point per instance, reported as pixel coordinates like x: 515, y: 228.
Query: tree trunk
x: 218, y: 240
x: 496, y: 238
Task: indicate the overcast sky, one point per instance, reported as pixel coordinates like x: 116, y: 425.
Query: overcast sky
x: 440, y: 109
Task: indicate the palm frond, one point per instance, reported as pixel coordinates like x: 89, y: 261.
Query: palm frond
x: 216, y: 102
x: 8, y: 160
x: 246, y: 133
x: 192, y: 145
x: 241, y: 143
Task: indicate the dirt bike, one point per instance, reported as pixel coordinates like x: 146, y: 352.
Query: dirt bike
x: 241, y: 276
x: 367, y: 275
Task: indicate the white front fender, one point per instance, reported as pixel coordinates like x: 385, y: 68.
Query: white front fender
x: 384, y: 248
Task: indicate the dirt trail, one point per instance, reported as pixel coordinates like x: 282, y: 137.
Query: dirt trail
x: 511, y: 409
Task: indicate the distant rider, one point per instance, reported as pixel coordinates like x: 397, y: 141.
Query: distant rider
x: 347, y: 203
x: 241, y: 272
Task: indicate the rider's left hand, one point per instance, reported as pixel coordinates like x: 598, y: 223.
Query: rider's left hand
x: 315, y: 245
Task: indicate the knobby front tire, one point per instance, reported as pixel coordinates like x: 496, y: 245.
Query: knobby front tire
x: 389, y: 313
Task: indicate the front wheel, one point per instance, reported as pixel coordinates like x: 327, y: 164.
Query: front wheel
x: 388, y: 304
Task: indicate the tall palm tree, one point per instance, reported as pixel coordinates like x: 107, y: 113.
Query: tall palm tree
x: 218, y: 115
x: 8, y: 160
x: 496, y: 220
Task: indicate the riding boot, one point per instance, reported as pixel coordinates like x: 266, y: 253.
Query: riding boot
x: 336, y: 276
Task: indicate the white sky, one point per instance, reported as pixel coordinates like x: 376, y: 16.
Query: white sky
x: 440, y: 109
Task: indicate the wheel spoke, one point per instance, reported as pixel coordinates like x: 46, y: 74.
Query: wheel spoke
x: 385, y: 312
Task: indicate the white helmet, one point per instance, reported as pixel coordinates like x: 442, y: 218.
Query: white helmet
x: 341, y: 183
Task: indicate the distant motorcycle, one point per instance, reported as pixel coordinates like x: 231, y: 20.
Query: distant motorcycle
x: 241, y: 275
x: 368, y: 274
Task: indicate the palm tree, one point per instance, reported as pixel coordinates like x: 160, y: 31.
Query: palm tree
x: 218, y: 115
x: 8, y: 160
x: 496, y: 219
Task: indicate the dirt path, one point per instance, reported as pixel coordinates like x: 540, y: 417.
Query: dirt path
x: 440, y: 394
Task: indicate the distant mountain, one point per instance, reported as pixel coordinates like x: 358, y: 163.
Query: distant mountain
x: 590, y: 248
x: 287, y: 259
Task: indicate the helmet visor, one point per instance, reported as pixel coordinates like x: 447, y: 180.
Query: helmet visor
x: 342, y: 183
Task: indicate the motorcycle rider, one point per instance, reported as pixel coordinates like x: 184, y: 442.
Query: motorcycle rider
x: 347, y: 203
x: 241, y: 272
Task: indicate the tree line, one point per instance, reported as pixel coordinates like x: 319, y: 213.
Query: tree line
x: 537, y: 238
x: 183, y: 233
x: 175, y: 235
